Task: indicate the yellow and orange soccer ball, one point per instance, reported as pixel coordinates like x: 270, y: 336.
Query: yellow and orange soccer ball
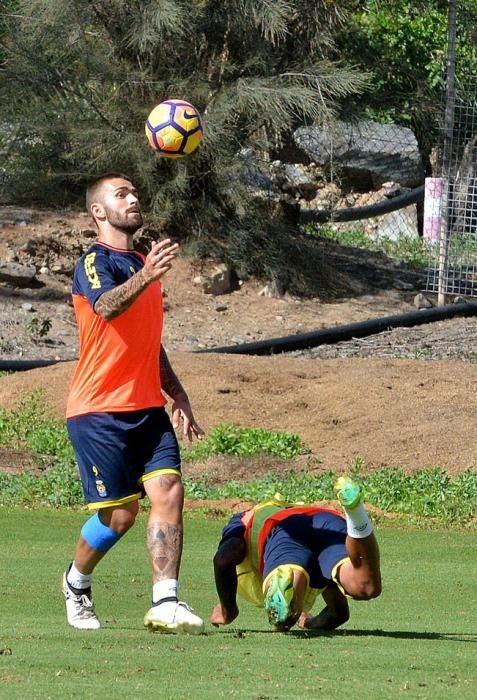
x: 174, y: 128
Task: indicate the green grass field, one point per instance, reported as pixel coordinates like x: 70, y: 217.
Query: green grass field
x: 419, y: 640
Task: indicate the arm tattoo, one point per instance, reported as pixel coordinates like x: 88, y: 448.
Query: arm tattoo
x: 169, y: 381
x: 164, y: 544
x: 115, y: 301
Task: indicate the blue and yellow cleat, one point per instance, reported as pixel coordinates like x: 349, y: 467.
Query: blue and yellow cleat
x: 279, y: 596
x: 350, y: 493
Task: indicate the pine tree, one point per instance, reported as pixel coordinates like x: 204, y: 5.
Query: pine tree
x: 80, y: 78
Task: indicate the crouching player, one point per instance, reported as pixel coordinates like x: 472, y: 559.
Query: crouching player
x: 281, y: 557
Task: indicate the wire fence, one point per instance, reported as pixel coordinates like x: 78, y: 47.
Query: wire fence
x: 368, y: 166
x: 450, y: 221
x: 382, y: 180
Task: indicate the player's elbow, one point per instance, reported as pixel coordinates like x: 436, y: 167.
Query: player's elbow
x: 105, y: 313
x: 220, y: 562
x: 229, y: 555
x: 224, y: 561
x: 105, y: 310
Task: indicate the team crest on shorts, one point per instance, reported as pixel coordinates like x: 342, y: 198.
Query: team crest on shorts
x: 100, y: 485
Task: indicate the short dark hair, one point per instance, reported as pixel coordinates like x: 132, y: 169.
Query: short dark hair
x: 95, y: 185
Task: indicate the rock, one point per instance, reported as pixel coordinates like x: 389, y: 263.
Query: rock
x: 11, y: 256
x: 422, y: 302
x: 391, y: 189
x: 277, y: 287
x: 14, y: 215
x: 218, y: 281
x: 27, y: 307
x: 369, y: 152
x: 293, y: 178
x: 17, y: 275
x: 29, y: 246
x: 265, y: 292
x: 251, y: 172
x: 404, y: 286
x: 274, y: 289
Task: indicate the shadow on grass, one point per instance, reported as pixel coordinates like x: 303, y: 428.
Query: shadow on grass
x: 396, y: 634
x: 392, y: 634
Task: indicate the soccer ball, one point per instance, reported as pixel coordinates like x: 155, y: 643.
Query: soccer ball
x: 174, y: 128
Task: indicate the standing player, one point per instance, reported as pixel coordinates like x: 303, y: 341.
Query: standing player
x: 121, y: 434
x: 281, y: 557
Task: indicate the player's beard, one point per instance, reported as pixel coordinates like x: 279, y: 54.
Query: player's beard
x: 129, y: 222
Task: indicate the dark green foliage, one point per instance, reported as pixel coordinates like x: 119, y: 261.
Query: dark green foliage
x: 404, y: 46
x: 428, y: 497
x: 254, y: 68
x: 409, y: 249
x: 31, y: 428
x: 247, y: 442
x: 7, y: 9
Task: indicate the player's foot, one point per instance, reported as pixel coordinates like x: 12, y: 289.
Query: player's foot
x: 173, y: 617
x: 80, y: 608
x: 279, y: 596
x: 349, y: 492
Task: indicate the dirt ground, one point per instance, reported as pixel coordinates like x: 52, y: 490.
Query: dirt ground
x: 404, y: 397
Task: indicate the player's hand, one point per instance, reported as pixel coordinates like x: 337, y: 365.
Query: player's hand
x: 159, y: 259
x: 324, y: 621
x: 305, y: 621
x: 182, y: 416
x: 219, y: 616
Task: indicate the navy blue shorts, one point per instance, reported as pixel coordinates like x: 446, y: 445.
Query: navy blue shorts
x: 314, y: 542
x: 117, y: 452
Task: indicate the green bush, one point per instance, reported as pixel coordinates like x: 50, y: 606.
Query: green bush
x: 404, y: 46
x: 428, y: 496
x: 229, y: 439
x: 410, y: 249
x: 30, y: 427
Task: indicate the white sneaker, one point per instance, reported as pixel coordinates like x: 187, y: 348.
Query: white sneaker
x: 80, y: 609
x: 173, y: 617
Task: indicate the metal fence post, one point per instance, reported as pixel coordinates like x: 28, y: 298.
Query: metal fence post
x: 447, y: 151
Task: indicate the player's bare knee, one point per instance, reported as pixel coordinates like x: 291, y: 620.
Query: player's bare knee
x: 174, y: 501
x: 122, y: 519
x: 166, y: 494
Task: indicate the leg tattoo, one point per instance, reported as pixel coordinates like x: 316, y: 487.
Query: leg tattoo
x: 164, y: 544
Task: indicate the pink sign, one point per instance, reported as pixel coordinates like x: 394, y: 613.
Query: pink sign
x: 433, y: 196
